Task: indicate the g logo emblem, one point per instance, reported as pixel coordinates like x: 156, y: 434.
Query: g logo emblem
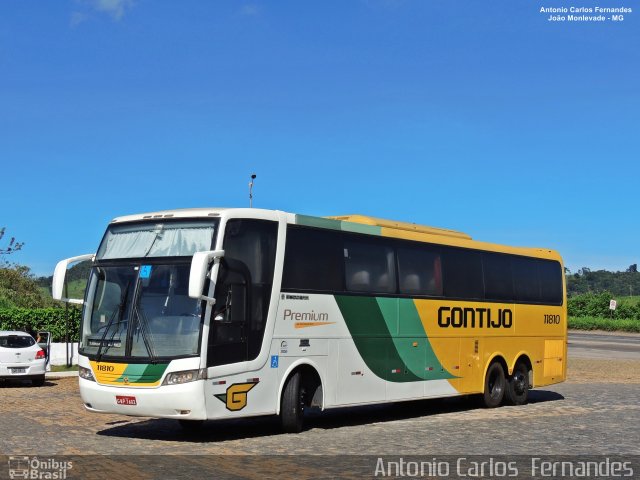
x: 236, y: 396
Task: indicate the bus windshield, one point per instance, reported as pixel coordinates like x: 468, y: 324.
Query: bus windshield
x: 137, y: 303
x: 156, y: 239
x: 141, y: 311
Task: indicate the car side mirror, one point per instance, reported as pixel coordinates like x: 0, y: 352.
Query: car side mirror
x: 200, y: 270
x: 57, y: 289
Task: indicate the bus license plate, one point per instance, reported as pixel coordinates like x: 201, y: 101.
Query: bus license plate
x: 18, y: 370
x: 125, y: 400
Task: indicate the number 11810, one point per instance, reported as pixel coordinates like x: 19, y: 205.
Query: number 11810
x: 552, y: 319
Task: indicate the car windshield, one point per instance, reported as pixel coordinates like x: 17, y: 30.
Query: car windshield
x: 141, y: 310
x: 16, y: 341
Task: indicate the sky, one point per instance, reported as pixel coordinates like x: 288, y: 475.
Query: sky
x: 478, y: 116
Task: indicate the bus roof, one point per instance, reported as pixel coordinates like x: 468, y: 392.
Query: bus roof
x: 412, y: 227
x: 177, y: 213
x: 353, y: 223
x: 420, y: 233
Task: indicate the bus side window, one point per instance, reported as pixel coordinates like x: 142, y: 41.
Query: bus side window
x: 498, y: 278
x: 462, y: 271
x: 312, y: 260
x: 369, y: 267
x: 550, y: 282
x: 526, y: 279
x: 419, y: 271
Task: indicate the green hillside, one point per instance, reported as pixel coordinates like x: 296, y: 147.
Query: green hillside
x: 75, y: 289
x: 618, y: 283
x: 76, y: 278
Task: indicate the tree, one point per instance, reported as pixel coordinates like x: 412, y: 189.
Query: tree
x: 12, y: 247
x: 19, y: 289
x: 633, y: 268
x: 17, y: 285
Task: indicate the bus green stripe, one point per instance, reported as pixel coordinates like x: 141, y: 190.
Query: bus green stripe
x: 372, y: 338
x: 411, y: 323
x: 320, y: 222
x: 143, y: 373
x: 374, y: 327
x: 360, y: 228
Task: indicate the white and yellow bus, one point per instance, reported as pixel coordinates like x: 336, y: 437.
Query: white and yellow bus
x: 222, y: 313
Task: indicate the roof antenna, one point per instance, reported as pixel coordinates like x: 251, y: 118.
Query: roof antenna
x: 253, y: 177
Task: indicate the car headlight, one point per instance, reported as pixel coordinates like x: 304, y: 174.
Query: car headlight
x: 186, y: 376
x: 86, y: 374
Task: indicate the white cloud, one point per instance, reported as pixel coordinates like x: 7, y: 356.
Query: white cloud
x: 250, y: 9
x: 77, y: 18
x: 114, y: 8
x: 89, y: 8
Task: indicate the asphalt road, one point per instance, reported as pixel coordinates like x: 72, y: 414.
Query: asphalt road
x: 603, y: 346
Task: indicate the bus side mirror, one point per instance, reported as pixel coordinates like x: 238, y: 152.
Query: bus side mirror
x: 200, y: 270
x: 57, y: 289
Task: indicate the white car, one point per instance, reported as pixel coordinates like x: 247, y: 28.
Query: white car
x: 21, y: 357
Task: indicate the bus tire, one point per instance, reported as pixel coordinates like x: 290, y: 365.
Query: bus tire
x: 517, y: 391
x: 494, y: 386
x: 191, y: 425
x: 292, y: 407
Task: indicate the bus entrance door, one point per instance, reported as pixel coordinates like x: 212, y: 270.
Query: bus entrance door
x: 229, y: 319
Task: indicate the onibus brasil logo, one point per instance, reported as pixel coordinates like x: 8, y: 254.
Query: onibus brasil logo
x: 235, y: 398
x: 34, y: 467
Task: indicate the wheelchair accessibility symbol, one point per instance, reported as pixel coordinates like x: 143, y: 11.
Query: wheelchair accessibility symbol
x: 274, y: 361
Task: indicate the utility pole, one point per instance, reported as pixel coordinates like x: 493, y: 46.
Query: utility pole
x: 253, y: 177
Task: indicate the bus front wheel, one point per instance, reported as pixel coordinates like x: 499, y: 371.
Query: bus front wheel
x: 293, y: 403
x: 494, y: 386
x: 517, y: 391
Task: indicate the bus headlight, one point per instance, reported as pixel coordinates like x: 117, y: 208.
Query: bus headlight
x: 86, y: 374
x: 186, y: 376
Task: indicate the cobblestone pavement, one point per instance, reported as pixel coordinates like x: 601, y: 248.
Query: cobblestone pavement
x: 569, y: 418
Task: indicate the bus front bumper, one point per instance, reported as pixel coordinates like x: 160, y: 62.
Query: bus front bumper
x: 185, y: 401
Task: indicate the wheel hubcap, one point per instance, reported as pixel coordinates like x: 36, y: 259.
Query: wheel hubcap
x: 519, y: 385
x: 495, y: 386
x: 301, y: 399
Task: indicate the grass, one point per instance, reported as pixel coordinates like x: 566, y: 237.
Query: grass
x: 64, y: 368
x: 629, y: 300
x: 75, y: 289
x: 608, y: 324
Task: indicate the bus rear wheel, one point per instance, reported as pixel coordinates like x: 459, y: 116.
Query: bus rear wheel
x: 494, y: 386
x: 517, y: 391
x: 293, y: 403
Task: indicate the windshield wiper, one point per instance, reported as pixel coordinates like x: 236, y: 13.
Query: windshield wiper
x: 159, y: 230
x: 120, y: 312
x: 147, y: 338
